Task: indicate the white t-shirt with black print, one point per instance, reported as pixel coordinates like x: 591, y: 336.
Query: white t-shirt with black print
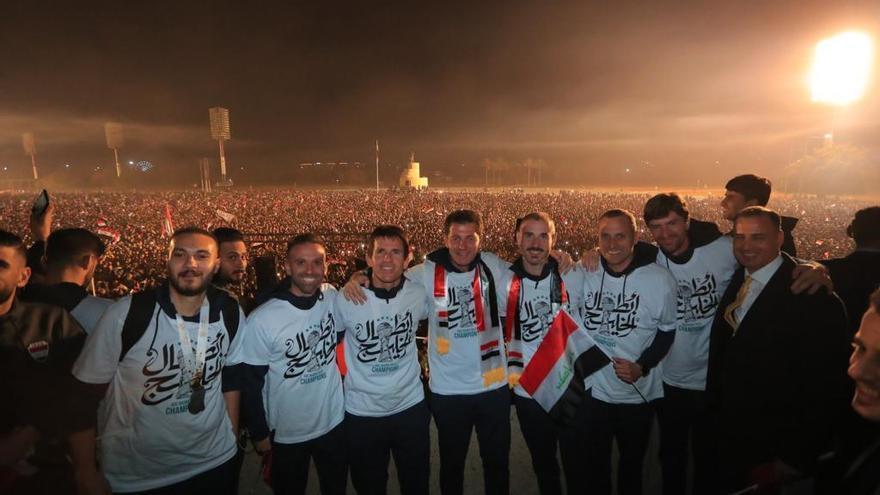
x: 701, y: 283
x: 458, y: 372
x: 380, y: 351
x: 147, y: 437
x: 622, y: 314
x: 302, y: 394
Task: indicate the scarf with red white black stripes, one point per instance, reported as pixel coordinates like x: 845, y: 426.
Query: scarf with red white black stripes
x: 512, y: 331
x: 488, y: 332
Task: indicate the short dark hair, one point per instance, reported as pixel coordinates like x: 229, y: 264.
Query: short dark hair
x: 8, y: 239
x: 389, y: 231
x: 307, y: 238
x: 537, y: 216
x: 760, y: 211
x: 865, y: 226
x: 663, y: 204
x: 752, y: 187
x: 227, y: 234
x: 463, y: 217
x: 620, y: 213
x: 193, y: 230
x: 65, y: 247
x: 875, y: 300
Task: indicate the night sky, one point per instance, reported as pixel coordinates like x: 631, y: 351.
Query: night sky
x: 589, y: 87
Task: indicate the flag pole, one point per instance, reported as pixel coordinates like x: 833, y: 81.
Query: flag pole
x: 377, y: 165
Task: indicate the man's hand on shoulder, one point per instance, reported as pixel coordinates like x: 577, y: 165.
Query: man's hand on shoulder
x: 353, y: 289
x: 564, y: 260
x: 590, y: 259
x: 810, y: 276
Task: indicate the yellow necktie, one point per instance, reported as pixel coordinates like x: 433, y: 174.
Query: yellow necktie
x: 740, y: 299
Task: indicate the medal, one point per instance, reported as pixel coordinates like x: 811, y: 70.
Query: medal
x: 193, y: 365
x: 196, y: 399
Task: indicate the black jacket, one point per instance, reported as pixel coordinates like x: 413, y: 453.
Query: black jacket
x: 855, y: 277
x: 38, y: 346
x: 778, y: 385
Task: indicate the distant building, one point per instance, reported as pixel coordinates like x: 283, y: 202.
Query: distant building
x: 410, y: 178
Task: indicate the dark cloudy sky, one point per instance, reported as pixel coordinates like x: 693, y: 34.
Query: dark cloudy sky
x: 587, y: 86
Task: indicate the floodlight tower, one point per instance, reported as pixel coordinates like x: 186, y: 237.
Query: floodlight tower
x: 30, y: 149
x: 115, y: 141
x: 220, y: 131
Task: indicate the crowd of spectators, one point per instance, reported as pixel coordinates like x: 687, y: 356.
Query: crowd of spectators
x: 270, y: 217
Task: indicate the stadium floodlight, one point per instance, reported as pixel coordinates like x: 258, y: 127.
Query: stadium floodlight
x: 30, y: 149
x: 220, y: 132
x: 115, y: 140
x: 841, y: 68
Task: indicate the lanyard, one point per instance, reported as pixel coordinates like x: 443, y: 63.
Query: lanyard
x: 192, y: 365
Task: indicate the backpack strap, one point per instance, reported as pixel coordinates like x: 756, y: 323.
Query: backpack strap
x: 143, y: 305
x: 231, y: 314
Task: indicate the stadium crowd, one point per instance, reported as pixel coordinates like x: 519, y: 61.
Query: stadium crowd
x: 735, y: 345
x: 136, y: 259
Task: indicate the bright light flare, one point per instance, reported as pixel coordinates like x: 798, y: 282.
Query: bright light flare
x: 841, y: 68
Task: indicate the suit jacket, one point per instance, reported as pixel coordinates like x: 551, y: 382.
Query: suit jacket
x: 777, y: 386
x: 855, y: 277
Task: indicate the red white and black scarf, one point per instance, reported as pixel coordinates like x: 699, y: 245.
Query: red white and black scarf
x: 489, y: 332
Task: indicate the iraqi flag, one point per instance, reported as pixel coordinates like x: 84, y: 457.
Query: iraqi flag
x: 102, y: 227
x: 555, y: 375
x: 167, y: 223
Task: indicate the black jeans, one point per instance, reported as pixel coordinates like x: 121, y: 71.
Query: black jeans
x: 542, y: 438
x: 220, y: 481
x: 290, y: 464
x: 404, y: 435
x: 682, y: 414
x: 598, y: 424
x: 456, y: 416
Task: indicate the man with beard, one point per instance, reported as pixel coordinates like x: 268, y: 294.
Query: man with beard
x: 292, y: 388
x: 531, y: 291
x: 385, y: 404
x: 233, y: 265
x: 629, y: 310
x: 776, y: 382
x: 71, y: 258
x: 167, y: 422
x: 747, y: 190
x: 38, y: 345
x: 701, y: 260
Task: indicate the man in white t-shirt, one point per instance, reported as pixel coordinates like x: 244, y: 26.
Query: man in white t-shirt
x: 385, y: 404
x: 167, y: 422
x: 701, y: 259
x: 530, y: 293
x: 467, y: 364
x: 629, y: 310
x: 291, y: 385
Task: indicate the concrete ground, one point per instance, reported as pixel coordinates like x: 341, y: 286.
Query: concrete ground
x: 522, y: 477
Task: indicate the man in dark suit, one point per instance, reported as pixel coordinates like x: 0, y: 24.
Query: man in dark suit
x: 777, y: 364
x: 856, y: 276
